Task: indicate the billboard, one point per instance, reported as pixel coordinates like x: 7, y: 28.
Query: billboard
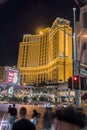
x: 11, y: 75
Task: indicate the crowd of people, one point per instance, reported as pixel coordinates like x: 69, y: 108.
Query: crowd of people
x: 68, y: 118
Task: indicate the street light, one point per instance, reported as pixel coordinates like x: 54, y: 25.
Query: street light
x: 74, y: 35
x: 76, y: 63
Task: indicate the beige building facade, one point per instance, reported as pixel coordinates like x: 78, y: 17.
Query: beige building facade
x: 47, y: 56
x: 82, y: 36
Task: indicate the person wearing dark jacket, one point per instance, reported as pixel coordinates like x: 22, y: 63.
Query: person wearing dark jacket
x: 13, y: 113
x: 47, y: 119
x: 36, y: 114
x: 35, y: 117
x: 9, y: 108
x: 23, y: 123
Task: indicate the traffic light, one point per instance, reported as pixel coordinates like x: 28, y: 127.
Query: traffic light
x: 76, y: 81
x: 70, y: 83
x: 83, y: 83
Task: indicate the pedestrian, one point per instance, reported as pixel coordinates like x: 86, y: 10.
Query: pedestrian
x: 47, y: 119
x: 23, y: 123
x: 35, y: 117
x: 9, y: 108
x: 36, y: 114
x: 69, y: 119
x: 12, y: 117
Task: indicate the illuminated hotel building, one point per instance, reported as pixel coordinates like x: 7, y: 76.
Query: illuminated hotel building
x: 47, y: 56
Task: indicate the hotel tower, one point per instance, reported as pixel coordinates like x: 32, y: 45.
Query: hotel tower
x: 47, y: 56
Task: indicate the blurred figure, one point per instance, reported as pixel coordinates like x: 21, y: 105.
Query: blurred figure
x: 23, y: 123
x: 12, y: 117
x: 9, y: 108
x: 36, y: 114
x: 35, y: 117
x: 47, y: 119
x: 69, y: 119
x: 56, y: 120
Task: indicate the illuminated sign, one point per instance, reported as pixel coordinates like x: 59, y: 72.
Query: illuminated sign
x: 83, y: 72
x: 10, y: 90
x: 11, y: 75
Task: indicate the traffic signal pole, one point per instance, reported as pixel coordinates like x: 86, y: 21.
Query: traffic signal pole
x: 76, y: 62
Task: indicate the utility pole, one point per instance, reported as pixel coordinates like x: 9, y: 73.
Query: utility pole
x: 76, y: 62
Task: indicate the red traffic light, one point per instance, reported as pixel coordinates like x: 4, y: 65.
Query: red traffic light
x: 75, y: 78
x: 76, y: 81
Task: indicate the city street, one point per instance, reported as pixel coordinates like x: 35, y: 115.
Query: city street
x: 4, y: 108
x: 43, y: 63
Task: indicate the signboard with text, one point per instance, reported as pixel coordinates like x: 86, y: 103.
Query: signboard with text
x: 11, y: 75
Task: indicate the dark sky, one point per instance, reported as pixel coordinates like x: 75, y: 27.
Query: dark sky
x: 18, y: 17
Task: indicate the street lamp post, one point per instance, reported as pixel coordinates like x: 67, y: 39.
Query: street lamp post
x: 76, y: 62
x: 74, y: 35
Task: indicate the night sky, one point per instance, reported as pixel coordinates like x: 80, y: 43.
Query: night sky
x: 18, y: 17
